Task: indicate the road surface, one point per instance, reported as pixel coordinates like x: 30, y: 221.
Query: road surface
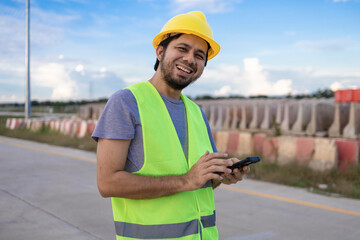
x: 49, y: 192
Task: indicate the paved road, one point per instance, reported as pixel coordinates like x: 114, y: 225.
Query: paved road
x: 49, y: 192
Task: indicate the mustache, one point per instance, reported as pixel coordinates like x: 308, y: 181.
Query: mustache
x: 192, y: 66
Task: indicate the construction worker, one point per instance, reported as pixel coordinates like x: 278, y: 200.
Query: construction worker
x: 156, y: 156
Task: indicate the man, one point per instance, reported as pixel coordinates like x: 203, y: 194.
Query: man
x: 156, y: 156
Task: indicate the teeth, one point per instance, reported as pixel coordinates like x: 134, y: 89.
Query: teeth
x: 184, y: 69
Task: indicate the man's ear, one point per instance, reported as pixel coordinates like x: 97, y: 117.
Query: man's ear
x: 159, y: 52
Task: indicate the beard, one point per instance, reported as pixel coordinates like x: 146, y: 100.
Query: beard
x: 175, y: 82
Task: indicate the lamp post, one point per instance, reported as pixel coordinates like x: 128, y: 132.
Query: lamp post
x: 27, y: 62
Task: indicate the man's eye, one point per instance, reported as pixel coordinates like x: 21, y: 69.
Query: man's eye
x: 200, y: 56
x: 182, y: 49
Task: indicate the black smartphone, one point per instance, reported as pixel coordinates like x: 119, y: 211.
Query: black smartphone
x: 245, y: 162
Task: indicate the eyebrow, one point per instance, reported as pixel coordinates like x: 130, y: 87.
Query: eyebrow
x: 188, y: 46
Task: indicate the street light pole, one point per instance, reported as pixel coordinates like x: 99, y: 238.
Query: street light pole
x: 27, y: 62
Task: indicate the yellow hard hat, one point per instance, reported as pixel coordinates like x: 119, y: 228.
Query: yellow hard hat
x: 189, y: 23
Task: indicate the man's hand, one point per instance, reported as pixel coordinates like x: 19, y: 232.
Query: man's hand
x: 236, y: 175
x: 204, y: 170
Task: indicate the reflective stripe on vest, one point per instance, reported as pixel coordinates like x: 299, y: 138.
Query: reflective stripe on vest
x: 175, y: 230
x: 186, y: 215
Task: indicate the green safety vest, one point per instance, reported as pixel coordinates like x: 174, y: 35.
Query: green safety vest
x: 186, y: 215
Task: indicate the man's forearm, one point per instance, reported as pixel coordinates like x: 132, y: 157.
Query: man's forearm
x: 113, y: 181
x: 127, y: 185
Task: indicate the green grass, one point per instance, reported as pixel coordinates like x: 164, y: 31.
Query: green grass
x: 336, y: 182
x: 333, y: 182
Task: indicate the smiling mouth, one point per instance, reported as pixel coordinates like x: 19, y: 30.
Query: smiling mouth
x: 186, y: 70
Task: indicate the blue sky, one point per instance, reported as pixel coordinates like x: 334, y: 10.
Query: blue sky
x: 82, y: 49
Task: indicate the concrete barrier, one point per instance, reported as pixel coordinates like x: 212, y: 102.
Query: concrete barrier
x: 315, y: 152
x: 28, y: 123
x: 270, y: 149
x: 245, y: 145
x: 322, y: 117
x: 54, y: 125
x: 303, y: 118
x: 66, y: 127
x: 305, y: 149
x: 257, y: 115
x: 326, y: 117
x: 325, y: 155
x: 280, y: 108
x: 348, y: 153
x: 221, y: 112
x: 82, y: 129
x: 235, y: 118
x: 228, y: 118
x: 292, y: 120
x: 287, y: 150
x: 35, y: 125
x: 14, y: 123
x: 341, y: 118
x: 246, y: 116
x: 222, y: 140
x: 70, y: 127
x: 290, y: 116
x: 352, y: 129
x: 212, y: 117
x: 269, y: 115
x: 257, y: 143
x: 232, y: 143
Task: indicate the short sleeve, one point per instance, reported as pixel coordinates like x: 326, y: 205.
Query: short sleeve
x: 209, y: 131
x: 119, y: 118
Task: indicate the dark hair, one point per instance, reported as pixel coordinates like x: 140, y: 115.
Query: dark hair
x: 166, y: 42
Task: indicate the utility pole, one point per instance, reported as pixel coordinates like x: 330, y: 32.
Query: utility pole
x: 27, y: 62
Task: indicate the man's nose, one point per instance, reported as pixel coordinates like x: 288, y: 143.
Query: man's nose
x: 189, y: 58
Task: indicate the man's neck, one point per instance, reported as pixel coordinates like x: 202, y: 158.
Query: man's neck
x: 163, y: 88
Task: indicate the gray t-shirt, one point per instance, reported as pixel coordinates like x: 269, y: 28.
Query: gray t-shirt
x: 120, y: 120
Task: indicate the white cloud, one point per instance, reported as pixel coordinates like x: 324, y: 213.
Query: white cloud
x: 211, y: 6
x: 255, y: 75
x: 281, y: 87
x: 257, y: 79
x: 336, y: 86
x: 224, y: 91
x: 252, y: 80
x: 325, y: 45
x: 132, y: 80
x: 65, y: 91
x: 56, y: 77
x: 79, y: 68
x: 344, y: 84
